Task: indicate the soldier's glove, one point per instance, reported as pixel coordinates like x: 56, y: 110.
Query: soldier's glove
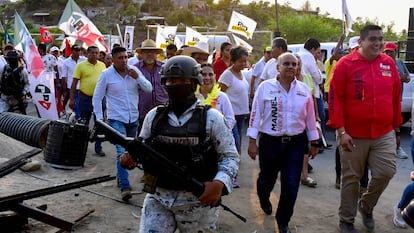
x: 127, y: 161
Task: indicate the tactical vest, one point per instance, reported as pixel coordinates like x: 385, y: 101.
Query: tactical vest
x: 12, y: 84
x: 185, y: 145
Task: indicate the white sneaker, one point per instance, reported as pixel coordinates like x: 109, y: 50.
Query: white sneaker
x: 398, y: 219
x: 401, y: 153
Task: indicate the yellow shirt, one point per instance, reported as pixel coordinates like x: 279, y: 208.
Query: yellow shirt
x: 307, y: 79
x: 88, y: 75
x: 328, y: 70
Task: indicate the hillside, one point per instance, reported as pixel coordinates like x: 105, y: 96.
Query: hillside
x: 204, y: 16
x: 107, y: 14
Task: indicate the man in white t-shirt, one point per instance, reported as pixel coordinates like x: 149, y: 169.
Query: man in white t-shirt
x: 257, y: 71
x: 279, y: 46
x: 308, y: 55
x: 67, y: 76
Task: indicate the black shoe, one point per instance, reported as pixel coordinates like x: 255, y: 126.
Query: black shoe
x: 338, y: 183
x: 345, y: 227
x: 310, y: 168
x: 328, y: 146
x: 283, y: 229
x: 367, y: 218
x: 266, y: 206
x: 126, y: 194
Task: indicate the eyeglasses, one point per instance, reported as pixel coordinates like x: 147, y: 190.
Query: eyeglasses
x: 209, y: 74
x: 294, y: 64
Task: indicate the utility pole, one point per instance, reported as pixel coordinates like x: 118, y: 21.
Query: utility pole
x: 277, y: 31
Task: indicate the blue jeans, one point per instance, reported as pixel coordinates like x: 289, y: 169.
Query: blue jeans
x: 237, y: 131
x: 321, y: 112
x: 85, y: 112
x: 85, y: 107
x: 236, y: 137
x: 412, y: 148
x: 286, y: 158
x: 129, y: 130
x: 76, y: 109
x: 407, y: 196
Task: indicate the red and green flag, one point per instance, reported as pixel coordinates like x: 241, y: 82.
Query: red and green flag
x: 75, y: 23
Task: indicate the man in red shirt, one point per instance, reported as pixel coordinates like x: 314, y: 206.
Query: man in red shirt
x: 365, y: 109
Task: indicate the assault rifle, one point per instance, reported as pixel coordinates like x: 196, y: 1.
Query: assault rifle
x: 134, y: 145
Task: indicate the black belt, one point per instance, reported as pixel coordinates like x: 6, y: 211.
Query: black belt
x: 283, y: 139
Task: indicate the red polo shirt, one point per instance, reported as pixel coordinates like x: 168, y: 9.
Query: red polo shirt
x: 364, y: 96
x: 219, y: 67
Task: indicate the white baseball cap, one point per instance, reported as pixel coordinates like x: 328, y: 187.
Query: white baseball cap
x: 353, y: 42
x: 53, y: 49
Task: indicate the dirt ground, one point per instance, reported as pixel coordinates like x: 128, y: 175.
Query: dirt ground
x: 316, y: 208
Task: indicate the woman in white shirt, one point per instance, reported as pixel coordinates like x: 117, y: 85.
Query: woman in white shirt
x: 233, y: 83
x: 209, y: 94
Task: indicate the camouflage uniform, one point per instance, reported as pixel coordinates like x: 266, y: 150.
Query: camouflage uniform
x: 168, y: 210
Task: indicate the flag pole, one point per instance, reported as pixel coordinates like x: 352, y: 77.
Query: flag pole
x: 343, y: 23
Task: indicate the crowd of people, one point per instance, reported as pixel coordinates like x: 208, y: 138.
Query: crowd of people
x: 193, y: 111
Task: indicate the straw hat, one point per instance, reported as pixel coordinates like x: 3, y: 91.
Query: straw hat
x: 201, y: 47
x: 148, y: 44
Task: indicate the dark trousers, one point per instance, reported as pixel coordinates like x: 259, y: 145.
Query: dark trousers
x: 286, y: 158
x: 85, y: 111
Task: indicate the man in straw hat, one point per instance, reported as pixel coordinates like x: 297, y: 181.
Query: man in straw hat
x: 199, y: 52
x: 151, y: 68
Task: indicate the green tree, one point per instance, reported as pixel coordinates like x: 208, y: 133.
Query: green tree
x: 184, y: 16
x: 296, y: 28
x: 262, y: 12
x: 306, y: 6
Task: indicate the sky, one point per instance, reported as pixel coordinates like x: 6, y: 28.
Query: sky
x: 386, y: 11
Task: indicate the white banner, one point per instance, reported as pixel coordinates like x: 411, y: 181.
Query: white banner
x: 243, y: 43
x: 242, y: 25
x: 192, y: 37
x: 129, y: 38
x: 178, y: 42
x: 43, y: 93
x: 348, y: 19
x: 165, y: 36
x: 42, y: 85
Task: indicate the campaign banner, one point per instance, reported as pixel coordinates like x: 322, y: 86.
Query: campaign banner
x: 42, y: 85
x: 347, y: 18
x: 243, y: 43
x: 165, y: 36
x: 242, y: 25
x: 75, y: 23
x: 45, y: 36
x: 193, y: 38
x: 42, y: 89
x: 129, y: 38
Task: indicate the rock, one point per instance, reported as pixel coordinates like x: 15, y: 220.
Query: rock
x: 31, y: 166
